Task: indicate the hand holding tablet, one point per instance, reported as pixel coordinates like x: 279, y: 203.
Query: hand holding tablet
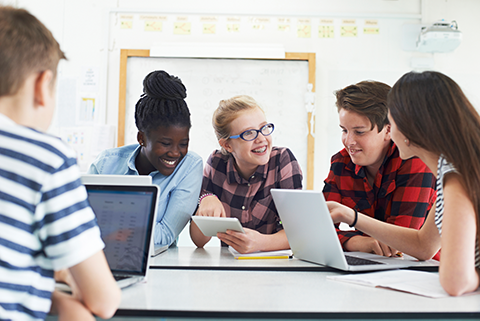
x: 210, y: 226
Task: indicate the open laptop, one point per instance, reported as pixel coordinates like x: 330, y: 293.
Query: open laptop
x: 116, y: 179
x: 126, y: 216
x: 101, y: 179
x: 313, y: 238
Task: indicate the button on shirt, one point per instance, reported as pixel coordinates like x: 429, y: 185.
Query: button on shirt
x: 178, y: 191
x: 402, y: 193
x: 250, y: 200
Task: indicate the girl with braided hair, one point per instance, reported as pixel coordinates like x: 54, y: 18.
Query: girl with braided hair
x: 163, y: 121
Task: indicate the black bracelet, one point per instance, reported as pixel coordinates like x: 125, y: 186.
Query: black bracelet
x: 356, y: 218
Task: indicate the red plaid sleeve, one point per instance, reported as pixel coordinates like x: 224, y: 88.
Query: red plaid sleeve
x: 338, y: 169
x: 403, y: 192
x: 413, y: 195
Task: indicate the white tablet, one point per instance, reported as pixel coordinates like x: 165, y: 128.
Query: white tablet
x: 210, y: 226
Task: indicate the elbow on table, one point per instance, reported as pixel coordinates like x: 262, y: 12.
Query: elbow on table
x: 454, y: 288
x: 105, y: 309
x: 200, y: 243
x: 456, y: 285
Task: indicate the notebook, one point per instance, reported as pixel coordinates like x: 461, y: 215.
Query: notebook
x: 126, y: 216
x: 313, y: 238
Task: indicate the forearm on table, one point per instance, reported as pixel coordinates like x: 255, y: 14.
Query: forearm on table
x: 407, y: 240
x: 276, y: 241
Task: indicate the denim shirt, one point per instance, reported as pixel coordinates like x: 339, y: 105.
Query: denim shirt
x: 178, y: 192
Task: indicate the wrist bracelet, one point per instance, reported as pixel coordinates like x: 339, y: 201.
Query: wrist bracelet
x: 356, y: 218
x: 205, y: 195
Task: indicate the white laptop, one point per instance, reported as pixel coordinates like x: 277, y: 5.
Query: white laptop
x: 126, y: 217
x: 116, y: 179
x: 313, y: 238
x: 159, y: 249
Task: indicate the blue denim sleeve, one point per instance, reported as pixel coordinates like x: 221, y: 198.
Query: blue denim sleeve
x: 181, y: 205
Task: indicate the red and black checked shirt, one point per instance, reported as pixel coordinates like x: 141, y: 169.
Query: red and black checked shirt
x: 403, y: 191
x: 250, y: 200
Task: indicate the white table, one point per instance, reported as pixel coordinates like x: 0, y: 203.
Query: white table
x: 261, y: 294
x: 209, y: 283
x: 221, y: 259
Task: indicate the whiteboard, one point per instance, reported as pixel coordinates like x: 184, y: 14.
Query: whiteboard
x: 279, y: 86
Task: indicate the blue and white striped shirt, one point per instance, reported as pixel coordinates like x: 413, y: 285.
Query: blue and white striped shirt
x: 46, y: 223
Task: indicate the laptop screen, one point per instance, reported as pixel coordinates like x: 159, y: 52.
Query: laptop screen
x: 125, y: 215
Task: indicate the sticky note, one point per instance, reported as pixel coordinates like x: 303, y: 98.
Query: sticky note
x: 304, y: 31
x: 126, y: 24
x: 209, y: 28
x: 153, y: 25
x: 326, y: 31
x: 182, y: 28
x: 348, y: 31
x: 371, y: 30
x: 233, y: 27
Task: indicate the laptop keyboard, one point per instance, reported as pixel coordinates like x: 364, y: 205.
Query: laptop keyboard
x: 120, y: 277
x: 351, y: 260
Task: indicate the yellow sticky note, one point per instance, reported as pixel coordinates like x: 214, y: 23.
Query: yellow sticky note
x: 304, y: 31
x: 258, y: 27
x: 348, y: 31
x: 153, y: 25
x: 282, y: 27
x: 209, y: 28
x: 326, y: 31
x: 126, y: 24
x: 371, y: 30
x: 233, y: 27
x: 182, y: 28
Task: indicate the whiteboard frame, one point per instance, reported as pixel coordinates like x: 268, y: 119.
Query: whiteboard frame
x: 309, y: 57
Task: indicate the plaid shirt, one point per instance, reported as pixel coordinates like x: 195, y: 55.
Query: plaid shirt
x: 250, y: 200
x: 402, y: 194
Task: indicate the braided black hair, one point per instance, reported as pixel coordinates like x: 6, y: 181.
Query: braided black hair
x: 162, y: 103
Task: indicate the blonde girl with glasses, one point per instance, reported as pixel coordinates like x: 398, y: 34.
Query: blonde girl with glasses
x: 237, y: 179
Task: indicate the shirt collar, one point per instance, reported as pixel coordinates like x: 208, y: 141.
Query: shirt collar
x: 233, y: 176
x: 360, y: 170
x: 131, y: 160
x: 6, y: 120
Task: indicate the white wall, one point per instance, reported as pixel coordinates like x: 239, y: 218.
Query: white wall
x: 91, y: 37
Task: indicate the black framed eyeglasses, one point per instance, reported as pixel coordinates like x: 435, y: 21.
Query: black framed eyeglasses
x: 252, y: 134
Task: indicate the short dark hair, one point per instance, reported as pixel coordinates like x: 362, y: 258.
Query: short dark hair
x: 162, y: 103
x: 367, y: 98
x: 26, y: 47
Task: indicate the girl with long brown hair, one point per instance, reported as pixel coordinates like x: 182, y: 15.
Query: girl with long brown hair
x: 432, y: 119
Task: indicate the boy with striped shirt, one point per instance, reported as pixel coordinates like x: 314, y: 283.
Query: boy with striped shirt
x: 46, y: 223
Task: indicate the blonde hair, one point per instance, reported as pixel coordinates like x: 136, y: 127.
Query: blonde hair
x: 227, y: 111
